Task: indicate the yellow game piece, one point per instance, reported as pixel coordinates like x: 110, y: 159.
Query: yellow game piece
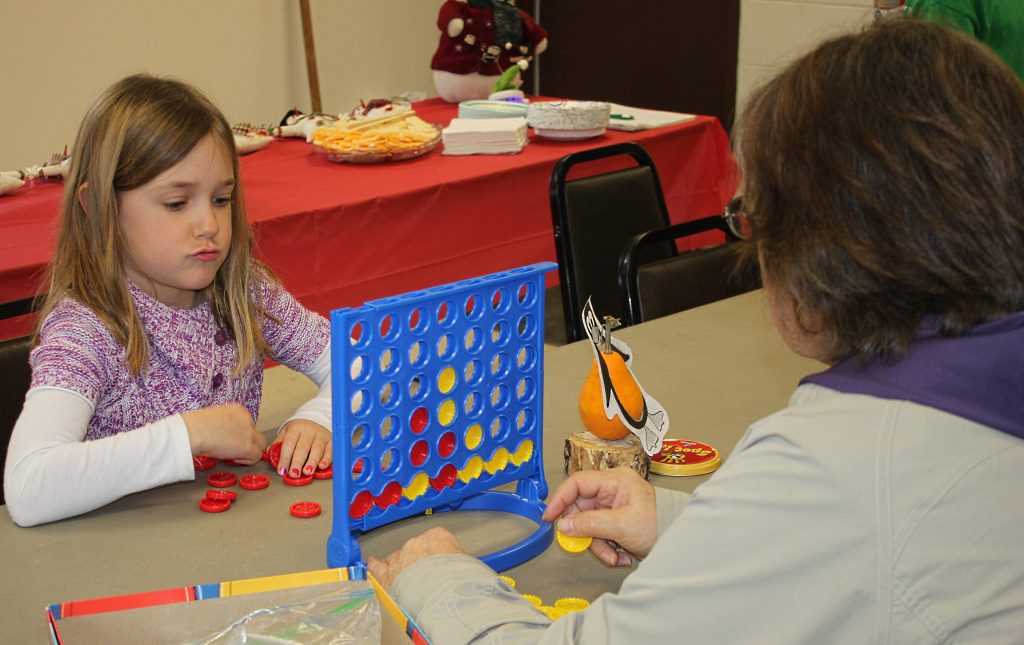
x: 498, y: 461
x: 446, y: 412
x: 569, y: 605
x: 534, y: 600
x: 523, y: 452
x: 474, y: 435
x: 416, y: 487
x: 473, y: 468
x: 511, y: 582
x: 553, y: 613
x: 446, y: 380
x: 573, y: 544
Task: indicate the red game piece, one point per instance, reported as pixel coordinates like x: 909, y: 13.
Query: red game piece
x: 305, y: 509
x: 274, y: 454
x: 390, y: 495
x: 361, y: 505
x: 202, y: 462
x: 214, y: 505
x: 218, y: 493
x: 446, y: 446
x: 419, y: 453
x: 326, y: 473
x: 444, y: 478
x: 305, y: 480
x: 221, y: 479
x: 254, y: 482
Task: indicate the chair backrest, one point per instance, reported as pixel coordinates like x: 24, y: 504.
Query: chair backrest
x: 16, y: 377
x: 593, y: 217
x: 690, y: 279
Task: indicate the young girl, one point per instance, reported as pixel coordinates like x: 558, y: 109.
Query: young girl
x: 153, y: 335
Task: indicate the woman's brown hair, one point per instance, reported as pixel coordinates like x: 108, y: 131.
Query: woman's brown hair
x: 883, y: 174
x: 140, y: 127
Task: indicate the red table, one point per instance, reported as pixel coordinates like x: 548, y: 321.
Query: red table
x: 340, y: 234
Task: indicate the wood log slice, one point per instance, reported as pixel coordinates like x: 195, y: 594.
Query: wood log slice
x: 584, y: 451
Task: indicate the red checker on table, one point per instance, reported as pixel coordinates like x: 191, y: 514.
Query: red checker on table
x: 305, y: 480
x: 326, y: 473
x: 214, y: 505
x: 221, y: 479
x: 218, y: 493
x: 202, y: 462
x: 305, y: 509
x: 274, y: 454
x: 254, y: 482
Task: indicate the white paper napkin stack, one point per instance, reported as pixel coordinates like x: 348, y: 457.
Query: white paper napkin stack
x: 484, y: 136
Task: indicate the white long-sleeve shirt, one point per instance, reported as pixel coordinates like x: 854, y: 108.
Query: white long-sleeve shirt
x: 52, y: 472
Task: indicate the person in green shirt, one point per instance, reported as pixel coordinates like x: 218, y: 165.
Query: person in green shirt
x: 997, y: 23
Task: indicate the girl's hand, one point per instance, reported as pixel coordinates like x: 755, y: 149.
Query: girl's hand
x: 225, y: 432
x: 433, y: 542
x: 615, y: 507
x: 305, y: 447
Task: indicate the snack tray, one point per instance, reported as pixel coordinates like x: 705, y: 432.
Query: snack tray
x: 381, y: 155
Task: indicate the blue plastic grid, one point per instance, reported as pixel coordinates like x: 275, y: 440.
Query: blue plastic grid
x: 437, y: 398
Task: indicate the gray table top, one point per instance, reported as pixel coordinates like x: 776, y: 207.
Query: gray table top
x: 715, y: 369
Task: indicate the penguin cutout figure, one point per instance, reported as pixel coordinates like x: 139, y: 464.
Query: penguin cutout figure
x: 612, y: 390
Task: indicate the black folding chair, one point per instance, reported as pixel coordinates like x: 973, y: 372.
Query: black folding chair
x: 689, y: 279
x: 593, y: 218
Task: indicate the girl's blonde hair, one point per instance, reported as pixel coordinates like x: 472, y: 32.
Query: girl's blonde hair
x: 139, y: 128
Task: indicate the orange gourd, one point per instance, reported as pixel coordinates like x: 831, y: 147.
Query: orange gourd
x: 591, y: 403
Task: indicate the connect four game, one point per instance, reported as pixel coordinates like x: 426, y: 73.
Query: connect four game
x: 437, y: 399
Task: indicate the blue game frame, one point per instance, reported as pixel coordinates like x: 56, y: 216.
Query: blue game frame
x: 437, y: 399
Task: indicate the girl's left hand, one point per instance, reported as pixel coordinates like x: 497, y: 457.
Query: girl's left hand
x: 305, y: 448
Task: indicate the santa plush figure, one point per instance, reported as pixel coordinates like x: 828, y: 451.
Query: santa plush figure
x: 481, y: 39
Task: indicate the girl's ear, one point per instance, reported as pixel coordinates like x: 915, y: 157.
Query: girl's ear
x: 83, y: 197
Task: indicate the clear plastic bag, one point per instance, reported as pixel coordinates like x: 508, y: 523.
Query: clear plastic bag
x: 350, y: 616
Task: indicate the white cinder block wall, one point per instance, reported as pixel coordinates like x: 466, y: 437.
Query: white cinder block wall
x: 774, y: 32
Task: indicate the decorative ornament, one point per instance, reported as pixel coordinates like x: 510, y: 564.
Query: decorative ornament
x: 480, y: 41
x: 612, y: 402
x: 55, y: 167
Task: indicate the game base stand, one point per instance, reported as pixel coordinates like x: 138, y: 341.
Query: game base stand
x: 437, y: 399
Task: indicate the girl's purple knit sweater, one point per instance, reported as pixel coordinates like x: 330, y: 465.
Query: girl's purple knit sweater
x: 191, y: 359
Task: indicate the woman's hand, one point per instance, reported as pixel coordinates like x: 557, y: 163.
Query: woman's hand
x: 225, y: 432
x: 615, y: 507
x: 305, y: 447
x: 433, y: 542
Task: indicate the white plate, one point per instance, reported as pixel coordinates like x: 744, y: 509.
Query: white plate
x: 568, y: 135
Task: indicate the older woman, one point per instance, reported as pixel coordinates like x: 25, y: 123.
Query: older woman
x: 884, y: 179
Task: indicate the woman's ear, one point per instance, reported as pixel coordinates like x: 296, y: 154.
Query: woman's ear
x: 83, y: 197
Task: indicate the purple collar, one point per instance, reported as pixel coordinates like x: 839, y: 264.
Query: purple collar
x: 978, y: 376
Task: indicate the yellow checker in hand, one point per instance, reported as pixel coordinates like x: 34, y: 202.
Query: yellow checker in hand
x: 573, y: 544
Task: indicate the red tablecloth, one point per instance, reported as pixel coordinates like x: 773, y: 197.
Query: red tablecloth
x: 340, y: 234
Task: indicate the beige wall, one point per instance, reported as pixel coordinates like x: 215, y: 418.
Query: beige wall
x: 774, y: 32
x: 246, y: 54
